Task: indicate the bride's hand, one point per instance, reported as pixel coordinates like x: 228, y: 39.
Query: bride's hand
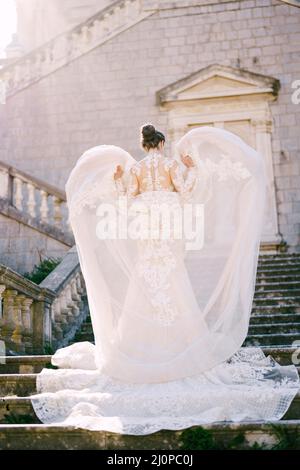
x: 187, y: 161
x: 118, y: 173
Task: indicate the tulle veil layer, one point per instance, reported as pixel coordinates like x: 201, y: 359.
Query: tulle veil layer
x: 169, y: 321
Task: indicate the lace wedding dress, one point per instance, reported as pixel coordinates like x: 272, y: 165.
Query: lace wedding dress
x: 169, y: 301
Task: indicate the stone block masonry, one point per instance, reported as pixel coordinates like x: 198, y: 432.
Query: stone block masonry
x: 105, y: 95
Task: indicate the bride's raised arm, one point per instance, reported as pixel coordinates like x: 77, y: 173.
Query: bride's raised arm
x: 132, y: 188
x: 184, y: 181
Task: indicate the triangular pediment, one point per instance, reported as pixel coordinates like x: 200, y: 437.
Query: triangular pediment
x: 218, y: 81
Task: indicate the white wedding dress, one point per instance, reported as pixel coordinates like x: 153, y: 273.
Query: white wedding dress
x: 169, y: 313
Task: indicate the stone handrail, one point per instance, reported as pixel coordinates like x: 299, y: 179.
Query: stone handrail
x: 25, y: 311
x: 68, y: 46
x: 70, y: 307
x: 32, y: 196
x: 36, y: 317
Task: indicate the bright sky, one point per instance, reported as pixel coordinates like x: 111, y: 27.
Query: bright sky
x: 8, y: 23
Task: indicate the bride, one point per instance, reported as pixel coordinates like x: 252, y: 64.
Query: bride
x: 168, y: 248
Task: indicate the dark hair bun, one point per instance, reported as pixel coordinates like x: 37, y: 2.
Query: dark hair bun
x: 150, y: 137
x: 148, y: 131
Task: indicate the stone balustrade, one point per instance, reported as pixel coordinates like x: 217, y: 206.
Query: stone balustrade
x: 23, y: 316
x: 68, y: 46
x: 39, y: 318
x: 69, y: 307
x: 35, y: 198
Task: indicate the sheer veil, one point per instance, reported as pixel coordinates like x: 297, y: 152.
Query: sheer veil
x: 169, y: 316
x: 217, y: 288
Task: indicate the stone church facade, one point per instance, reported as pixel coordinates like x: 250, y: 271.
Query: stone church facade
x: 89, y: 72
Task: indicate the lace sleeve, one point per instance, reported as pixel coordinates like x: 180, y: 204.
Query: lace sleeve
x: 133, y: 186
x: 120, y: 187
x: 132, y: 189
x: 183, y: 181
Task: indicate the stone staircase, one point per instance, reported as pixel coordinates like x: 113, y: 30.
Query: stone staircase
x: 275, y: 318
x: 274, y: 325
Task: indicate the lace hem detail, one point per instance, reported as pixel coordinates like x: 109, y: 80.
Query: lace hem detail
x: 247, y: 387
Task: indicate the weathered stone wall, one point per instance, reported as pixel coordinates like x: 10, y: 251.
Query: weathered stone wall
x: 21, y: 247
x: 104, y: 96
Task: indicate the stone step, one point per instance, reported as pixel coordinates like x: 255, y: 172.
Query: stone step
x: 275, y: 309
x: 23, y: 385
x: 279, y: 262
x: 279, y: 269
x: 277, y: 294
x: 277, y: 287
x: 23, y: 364
x: 20, y: 408
x: 275, y: 328
x: 282, y: 354
x: 279, y: 259
x: 279, y: 339
x: 86, y: 327
x: 277, y: 278
x: 83, y: 337
x: 45, y: 437
x: 282, y: 301
x: 274, y: 318
x: 85, y: 333
x: 34, y: 364
x: 263, y: 256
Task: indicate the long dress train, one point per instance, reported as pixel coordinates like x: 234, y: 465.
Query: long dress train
x: 169, y: 258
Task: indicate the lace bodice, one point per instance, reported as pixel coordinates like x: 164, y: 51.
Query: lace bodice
x: 156, y: 172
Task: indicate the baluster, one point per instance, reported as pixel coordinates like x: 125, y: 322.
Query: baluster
x: 97, y: 28
x: 106, y: 23
x: 57, y: 320
x: 2, y: 341
x: 44, y: 209
x: 64, y: 310
x: 59, y: 49
x: 18, y: 183
x: 76, y: 297
x: 78, y: 281
x: 81, y: 283
x: 31, y: 203
x: 68, y: 224
x: 57, y: 211
x: 26, y: 313
x: 17, y: 319
x: 7, y: 319
x: 70, y: 303
x: 5, y: 179
x: 116, y: 17
x: 48, y: 57
x: 73, y: 287
x: 128, y: 7
x: 2, y: 289
x: 85, y: 34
